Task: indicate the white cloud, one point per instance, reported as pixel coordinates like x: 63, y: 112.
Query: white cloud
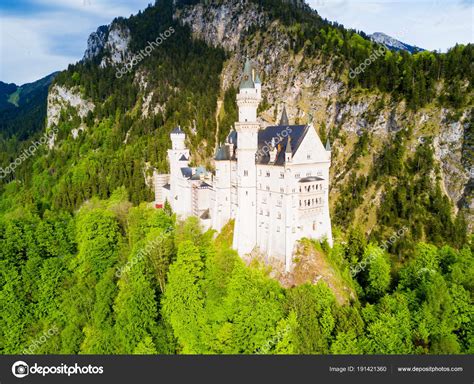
x: 37, y: 44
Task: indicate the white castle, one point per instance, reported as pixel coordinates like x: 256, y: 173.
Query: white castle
x: 274, y: 181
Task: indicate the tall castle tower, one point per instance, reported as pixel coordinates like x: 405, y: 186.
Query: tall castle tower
x: 248, y: 99
x: 178, y: 157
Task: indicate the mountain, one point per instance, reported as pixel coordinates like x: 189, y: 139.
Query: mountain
x: 393, y: 44
x: 23, y: 108
x: 78, y: 232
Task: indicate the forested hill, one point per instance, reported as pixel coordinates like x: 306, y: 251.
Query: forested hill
x: 75, y: 224
x: 22, y: 116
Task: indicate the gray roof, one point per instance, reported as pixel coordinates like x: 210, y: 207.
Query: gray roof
x: 222, y: 153
x: 247, y: 81
x: 284, y: 117
x: 183, y: 158
x: 187, y: 172
x: 232, y: 138
x: 328, y: 145
x: 177, y: 130
x: 167, y: 186
x: 288, y: 146
x: 281, y: 134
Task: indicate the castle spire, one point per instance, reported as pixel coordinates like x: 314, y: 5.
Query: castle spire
x: 284, y: 117
x: 257, y: 79
x: 328, y: 145
x: 288, y: 151
x: 288, y: 146
x: 247, y: 80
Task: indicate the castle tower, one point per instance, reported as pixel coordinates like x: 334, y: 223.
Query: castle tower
x: 178, y: 157
x: 248, y: 99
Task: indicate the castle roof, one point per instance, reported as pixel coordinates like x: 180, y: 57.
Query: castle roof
x: 328, y: 145
x: 232, y: 137
x: 247, y: 81
x: 183, y: 158
x: 222, y: 153
x: 280, y: 134
x: 284, y: 117
x: 177, y: 130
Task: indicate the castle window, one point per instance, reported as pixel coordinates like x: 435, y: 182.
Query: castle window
x: 268, y: 174
x: 308, y: 156
x: 282, y: 190
x: 297, y: 175
x: 268, y: 213
x: 314, y: 225
x: 278, y: 229
x: 246, y: 173
x: 308, y: 173
x: 268, y: 187
x: 279, y: 215
x: 260, y: 172
x: 282, y: 175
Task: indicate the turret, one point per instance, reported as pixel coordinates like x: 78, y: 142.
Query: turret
x: 284, y: 118
x: 288, y: 151
x: 249, y: 95
x: 177, y: 138
x: 328, y: 145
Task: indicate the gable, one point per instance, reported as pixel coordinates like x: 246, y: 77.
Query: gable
x: 310, y: 145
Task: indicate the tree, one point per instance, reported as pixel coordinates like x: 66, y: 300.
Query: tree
x: 183, y: 300
x: 314, y: 306
x: 253, y: 307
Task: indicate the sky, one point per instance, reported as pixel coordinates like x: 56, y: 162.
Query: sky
x: 38, y: 37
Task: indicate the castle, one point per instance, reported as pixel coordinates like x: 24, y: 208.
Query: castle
x: 273, y: 181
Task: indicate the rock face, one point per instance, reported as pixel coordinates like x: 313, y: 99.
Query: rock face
x: 61, y: 98
x: 224, y: 25
x: 112, y: 40
x: 116, y: 45
x: 96, y: 42
x: 392, y: 43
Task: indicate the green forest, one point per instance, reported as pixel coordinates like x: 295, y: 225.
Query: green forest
x: 88, y: 266
x: 122, y: 279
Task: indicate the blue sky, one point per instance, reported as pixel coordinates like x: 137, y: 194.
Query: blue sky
x: 38, y: 37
